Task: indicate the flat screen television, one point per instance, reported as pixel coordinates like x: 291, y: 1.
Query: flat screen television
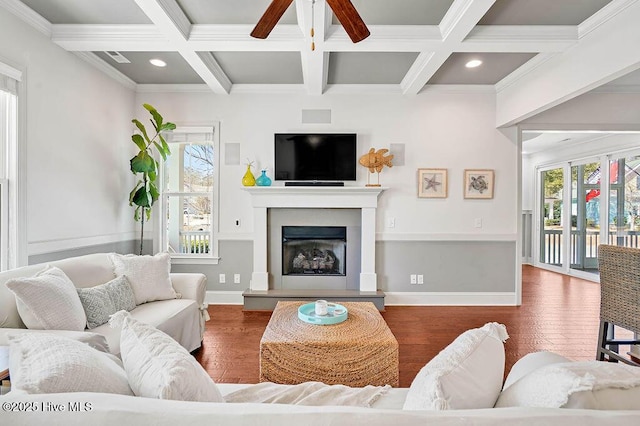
x: 315, y: 157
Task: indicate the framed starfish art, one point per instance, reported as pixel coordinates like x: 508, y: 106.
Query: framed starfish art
x: 432, y: 183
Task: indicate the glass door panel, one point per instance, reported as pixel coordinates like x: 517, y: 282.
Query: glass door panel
x: 585, y: 216
x: 552, y: 182
x: 624, y: 201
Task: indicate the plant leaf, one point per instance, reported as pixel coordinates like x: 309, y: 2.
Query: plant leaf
x: 167, y: 126
x: 165, y: 145
x: 142, y: 197
x: 136, y: 215
x: 142, y: 129
x: 153, y: 190
x: 152, y: 176
x: 160, y: 150
x: 133, y: 192
x: 139, y: 141
x: 148, y: 214
x: 143, y: 163
x: 157, y: 118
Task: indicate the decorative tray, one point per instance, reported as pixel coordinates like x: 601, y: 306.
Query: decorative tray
x: 335, y: 315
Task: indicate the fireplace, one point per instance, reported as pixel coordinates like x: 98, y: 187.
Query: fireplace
x: 278, y: 206
x: 314, y: 250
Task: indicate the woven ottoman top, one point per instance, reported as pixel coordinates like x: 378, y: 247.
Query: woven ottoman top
x: 359, y: 351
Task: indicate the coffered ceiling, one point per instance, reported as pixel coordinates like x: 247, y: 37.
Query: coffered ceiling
x: 414, y: 45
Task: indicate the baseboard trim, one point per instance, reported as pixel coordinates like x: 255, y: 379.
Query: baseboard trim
x: 415, y: 298
x: 217, y: 297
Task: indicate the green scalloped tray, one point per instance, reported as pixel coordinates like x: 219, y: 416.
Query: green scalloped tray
x: 307, y: 313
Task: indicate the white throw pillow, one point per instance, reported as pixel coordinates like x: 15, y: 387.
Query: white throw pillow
x: 466, y: 374
x: 46, y: 363
x: 148, y: 275
x: 158, y: 367
x: 531, y: 362
x: 48, y: 301
x: 593, y: 385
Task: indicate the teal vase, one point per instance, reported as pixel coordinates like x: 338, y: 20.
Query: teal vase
x: 263, y: 179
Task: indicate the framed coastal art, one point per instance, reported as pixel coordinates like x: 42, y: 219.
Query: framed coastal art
x: 478, y: 183
x: 432, y: 183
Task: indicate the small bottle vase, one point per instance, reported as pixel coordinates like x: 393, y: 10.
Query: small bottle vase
x: 248, y: 179
x: 263, y: 179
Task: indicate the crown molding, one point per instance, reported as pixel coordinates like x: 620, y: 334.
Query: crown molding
x: 279, y: 89
x: 524, y: 69
x: 459, y: 88
x: 603, y: 15
x: 28, y: 15
x: 617, y: 88
x: 110, y: 71
x: 172, y: 88
x: 10, y: 71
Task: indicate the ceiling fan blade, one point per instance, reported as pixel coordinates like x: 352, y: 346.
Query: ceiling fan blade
x: 350, y: 19
x: 270, y: 18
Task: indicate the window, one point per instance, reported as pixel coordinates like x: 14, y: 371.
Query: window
x: 624, y: 201
x: 9, y: 79
x: 189, y: 194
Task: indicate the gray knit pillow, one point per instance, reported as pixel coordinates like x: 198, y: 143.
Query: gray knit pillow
x: 101, y: 301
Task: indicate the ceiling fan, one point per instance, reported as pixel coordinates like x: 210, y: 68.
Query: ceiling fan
x: 343, y: 9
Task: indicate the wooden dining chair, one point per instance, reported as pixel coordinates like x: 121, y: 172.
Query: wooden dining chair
x: 619, y: 300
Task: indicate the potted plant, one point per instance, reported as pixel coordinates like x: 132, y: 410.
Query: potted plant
x: 146, y: 166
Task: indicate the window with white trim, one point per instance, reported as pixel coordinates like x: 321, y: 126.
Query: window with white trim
x: 8, y: 144
x: 189, y: 182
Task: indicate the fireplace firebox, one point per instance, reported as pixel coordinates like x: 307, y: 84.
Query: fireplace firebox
x: 314, y: 250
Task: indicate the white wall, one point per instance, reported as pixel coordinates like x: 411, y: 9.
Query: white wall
x: 78, y: 129
x: 452, y: 131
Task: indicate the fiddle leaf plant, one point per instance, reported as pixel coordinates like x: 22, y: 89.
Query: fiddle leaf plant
x: 146, y: 167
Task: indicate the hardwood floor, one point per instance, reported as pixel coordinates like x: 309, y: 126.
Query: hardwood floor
x: 558, y: 313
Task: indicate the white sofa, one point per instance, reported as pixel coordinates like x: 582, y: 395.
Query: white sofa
x: 182, y: 318
x: 109, y: 409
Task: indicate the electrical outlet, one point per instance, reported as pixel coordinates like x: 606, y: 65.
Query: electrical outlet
x: 222, y: 278
x: 236, y: 278
x: 391, y: 222
x: 420, y: 279
x: 414, y: 279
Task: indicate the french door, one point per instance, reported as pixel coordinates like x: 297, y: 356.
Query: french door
x: 583, y: 204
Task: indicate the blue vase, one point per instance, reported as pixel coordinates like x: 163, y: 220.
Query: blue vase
x: 263, y: 179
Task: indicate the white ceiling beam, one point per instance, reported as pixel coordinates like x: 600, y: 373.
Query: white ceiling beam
x: 132, y: 38
x: 601, y: 56
x: 519, y: 38
x: 456, y: 25
x: 315, y: 63
x: 387, y: 38
x: 174, y: 24
x: 229, y: 38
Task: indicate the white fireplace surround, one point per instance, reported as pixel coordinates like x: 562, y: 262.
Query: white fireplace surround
x: 322, y: 197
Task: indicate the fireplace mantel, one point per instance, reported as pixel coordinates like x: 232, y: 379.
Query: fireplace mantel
x: 321, y: 197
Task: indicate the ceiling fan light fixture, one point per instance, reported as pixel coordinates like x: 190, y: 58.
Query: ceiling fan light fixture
x: 158, y: 62
x: 473, y: 63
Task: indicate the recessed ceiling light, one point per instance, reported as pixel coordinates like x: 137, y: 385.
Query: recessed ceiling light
x: 158, y: 62
x: 473, y: 63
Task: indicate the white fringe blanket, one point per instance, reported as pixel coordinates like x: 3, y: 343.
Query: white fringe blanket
x: 309, y: 393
